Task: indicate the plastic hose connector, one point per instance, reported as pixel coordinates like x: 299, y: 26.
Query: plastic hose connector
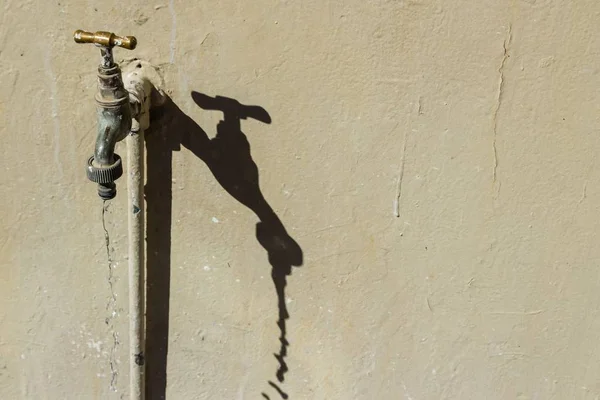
x: 107, y: 174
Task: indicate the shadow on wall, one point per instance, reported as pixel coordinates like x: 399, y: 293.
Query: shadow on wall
x: 228, y: 157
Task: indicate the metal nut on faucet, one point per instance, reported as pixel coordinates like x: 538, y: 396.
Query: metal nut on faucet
x: 105, y: 174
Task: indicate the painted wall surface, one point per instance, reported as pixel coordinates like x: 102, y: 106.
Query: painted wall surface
x: 425, y: 171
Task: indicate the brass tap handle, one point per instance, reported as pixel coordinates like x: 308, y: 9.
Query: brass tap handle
x: 106, y: 39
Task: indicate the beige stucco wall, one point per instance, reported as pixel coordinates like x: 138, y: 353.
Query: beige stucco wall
x: 435, y: 161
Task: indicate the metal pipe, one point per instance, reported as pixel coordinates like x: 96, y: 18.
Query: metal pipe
x: 138, y: 79
x: 107, y: 57
x: 135, y: 183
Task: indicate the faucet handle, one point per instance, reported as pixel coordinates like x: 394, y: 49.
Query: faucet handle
x: 106, y: 39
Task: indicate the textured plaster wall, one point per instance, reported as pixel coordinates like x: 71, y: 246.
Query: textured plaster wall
x: 435, y: 161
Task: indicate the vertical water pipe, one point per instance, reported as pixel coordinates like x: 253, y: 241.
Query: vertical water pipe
x: 135, y: 184
x: 138, y: 78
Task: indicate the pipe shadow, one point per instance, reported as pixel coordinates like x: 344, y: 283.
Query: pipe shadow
x: 158, y: 194
x: 228, y: 157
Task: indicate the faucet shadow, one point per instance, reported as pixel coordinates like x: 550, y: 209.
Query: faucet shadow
x: 228, y: 157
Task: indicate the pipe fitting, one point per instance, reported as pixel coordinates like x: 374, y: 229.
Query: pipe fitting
x: 143, y: 82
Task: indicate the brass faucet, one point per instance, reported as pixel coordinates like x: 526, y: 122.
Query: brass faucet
x: 107, y: 39
x: 113, y: 111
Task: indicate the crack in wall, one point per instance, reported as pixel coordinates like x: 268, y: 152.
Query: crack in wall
x: 499, y: 97
x: 111, y: 305
x: 400, y: 178
x: 113, y: 362
x: 113, y: 297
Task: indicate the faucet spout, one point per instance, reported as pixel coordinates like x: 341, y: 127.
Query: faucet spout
x: 114, y: 123
x: 113, y: 126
